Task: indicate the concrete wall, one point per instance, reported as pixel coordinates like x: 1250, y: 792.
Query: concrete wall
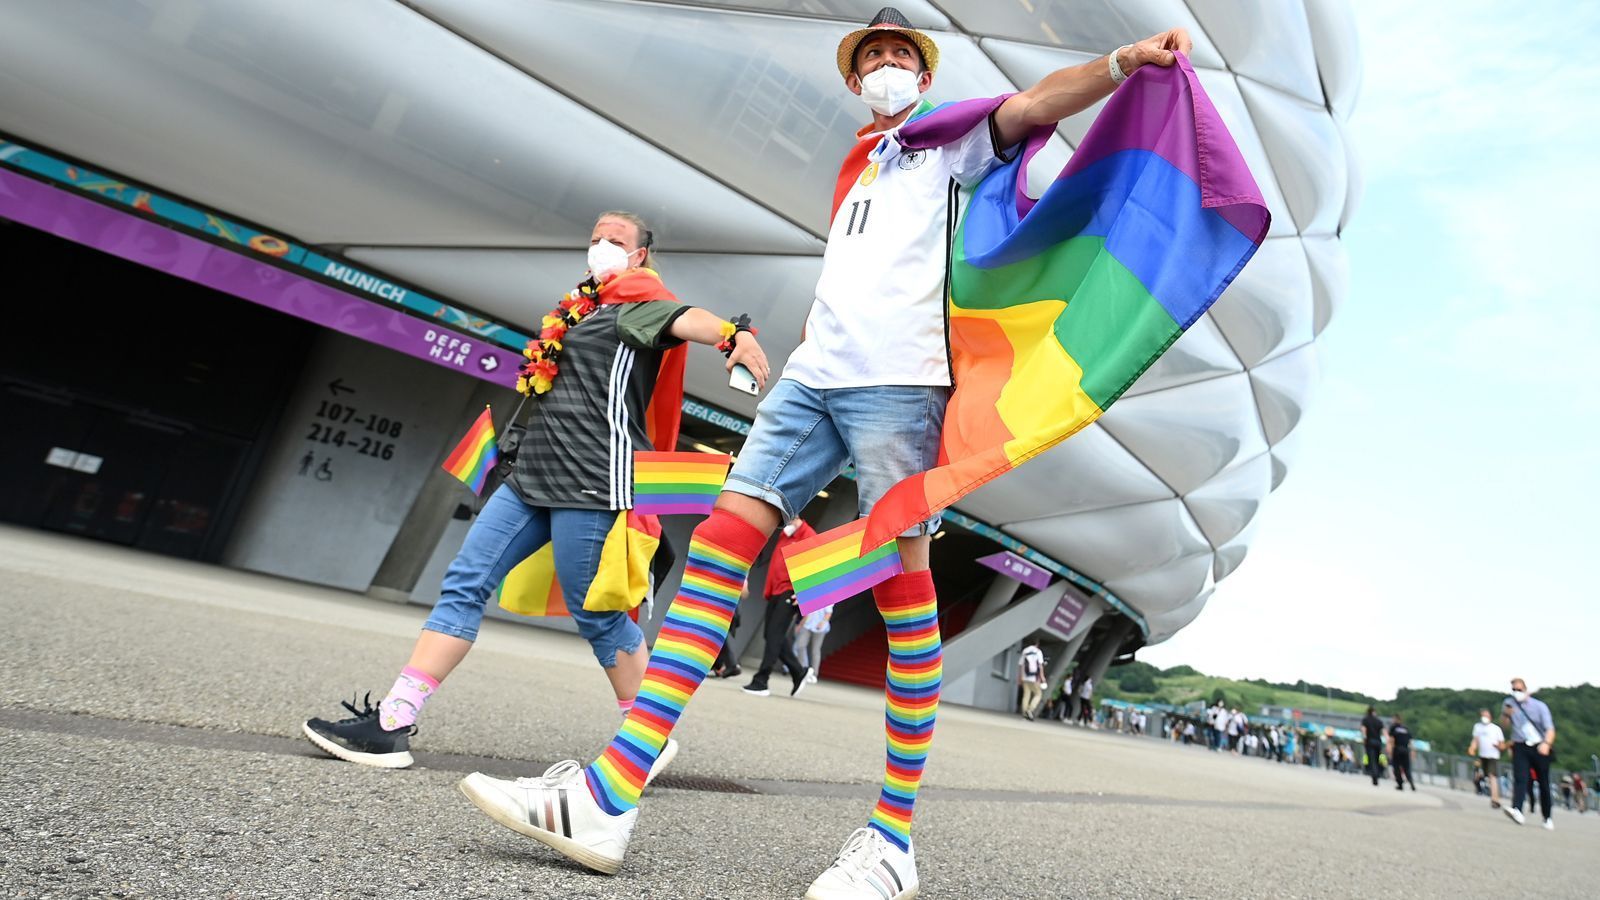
x: 327, y: 503
x: 985, y: 687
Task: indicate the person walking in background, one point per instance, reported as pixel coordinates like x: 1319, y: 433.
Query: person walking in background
x: 1030, y: 675
x: 1487, y: 742
x: 1372, y: 739
x: 1533, y: 735
x: 781, y: 615
x: 1400, y: 753
x: 814, y: 628
x: 1085, y: 701
x: 620, y: 323
x: 1580, y: 791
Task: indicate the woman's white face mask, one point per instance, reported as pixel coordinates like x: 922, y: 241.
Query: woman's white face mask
x: 888, y: 90
x: 607, y: 259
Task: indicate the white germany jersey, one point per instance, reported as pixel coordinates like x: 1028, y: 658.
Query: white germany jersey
x: 879, y: 316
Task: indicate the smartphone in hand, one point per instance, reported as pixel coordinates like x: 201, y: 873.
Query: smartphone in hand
x: 741, y: 379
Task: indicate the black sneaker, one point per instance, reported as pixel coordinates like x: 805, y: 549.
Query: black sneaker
x: 801, y: 679
x: 757, y: 687
x: 360, y: 739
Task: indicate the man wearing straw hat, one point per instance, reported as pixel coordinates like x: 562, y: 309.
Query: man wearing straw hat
x: 868, y: 384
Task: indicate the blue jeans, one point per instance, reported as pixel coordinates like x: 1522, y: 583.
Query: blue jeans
x: 507, y: 532
x: 803, y: 437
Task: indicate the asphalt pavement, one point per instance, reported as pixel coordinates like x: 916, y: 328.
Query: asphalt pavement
x: 150, y: 747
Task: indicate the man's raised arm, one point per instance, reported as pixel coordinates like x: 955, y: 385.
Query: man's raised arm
x: 1074, y: 89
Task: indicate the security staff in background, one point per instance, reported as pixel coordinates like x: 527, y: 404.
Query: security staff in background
x: 1372, y: 730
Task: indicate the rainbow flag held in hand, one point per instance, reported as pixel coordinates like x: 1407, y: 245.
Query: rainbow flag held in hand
x: 666, y: 484
x: 477, y: 454
x: 833, y: 566
x: 1057, y: 306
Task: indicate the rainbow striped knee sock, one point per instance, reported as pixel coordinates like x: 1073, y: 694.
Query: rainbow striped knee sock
x: 911, y: 696
x: 720, y: 553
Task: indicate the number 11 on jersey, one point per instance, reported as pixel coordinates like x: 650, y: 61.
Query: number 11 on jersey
x: 864, y: 207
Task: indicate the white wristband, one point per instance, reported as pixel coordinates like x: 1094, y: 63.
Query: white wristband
x: 1117, y: 75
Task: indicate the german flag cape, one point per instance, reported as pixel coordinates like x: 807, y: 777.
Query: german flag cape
x: 623, y: 579
x: 1057, y: 306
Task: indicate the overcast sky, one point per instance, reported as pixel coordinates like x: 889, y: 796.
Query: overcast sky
x: 1437, y: 528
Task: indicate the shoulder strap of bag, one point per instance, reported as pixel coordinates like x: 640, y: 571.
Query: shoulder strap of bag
x: 1528, y: 717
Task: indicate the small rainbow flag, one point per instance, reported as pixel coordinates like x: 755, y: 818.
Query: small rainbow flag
x: 475, y: 457
x: 666, y: 484
x: 832, y: 567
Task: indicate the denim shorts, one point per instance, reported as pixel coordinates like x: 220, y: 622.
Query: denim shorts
x: 803, y: 438
x: 507, y: 532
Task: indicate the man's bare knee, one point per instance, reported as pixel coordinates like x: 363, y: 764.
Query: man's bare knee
x: 760, y: 514
x: 914, y: 552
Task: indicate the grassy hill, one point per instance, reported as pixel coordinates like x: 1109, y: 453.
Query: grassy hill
x: 1182, y: 684
x: 1442, y: 716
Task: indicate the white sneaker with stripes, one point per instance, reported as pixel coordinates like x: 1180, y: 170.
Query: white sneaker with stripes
x: 868, y: 868
x: 557, y: 810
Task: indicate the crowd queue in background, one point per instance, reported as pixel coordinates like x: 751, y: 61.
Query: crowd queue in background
x: 1524, y: 737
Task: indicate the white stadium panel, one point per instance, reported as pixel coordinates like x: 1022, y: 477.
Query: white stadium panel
x: 1306, y: 152
x: 849, y: 12
x: 1086, y: 472
x: 1338, y: 46
x: 1093, y: 26
x: 354, y: 144
x: 1199, y: 353
x: 1223, y: 89
x: 1161, y: 590
x: 1330, y: 277
x: 1282, y: 388
x: 1268, y: 308
x: 1284, y: 453
x: 1114, y: 543
x: 1187, y: 435
x: 753, y: 100
x: 1166, y: 625
x: 1268, y: 41
x: 1223, y: 506
x: 1231, y: 554
x: 1355, y: 182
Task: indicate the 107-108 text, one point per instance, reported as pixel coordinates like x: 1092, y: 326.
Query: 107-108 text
x: 371, y: 443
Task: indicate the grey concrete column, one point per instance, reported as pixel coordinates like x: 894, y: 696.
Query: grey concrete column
x: 1060, y: 664
x: 979, y: 643
x: 1107, y: 650
x: 425, y: 522
x: 1002, y: 590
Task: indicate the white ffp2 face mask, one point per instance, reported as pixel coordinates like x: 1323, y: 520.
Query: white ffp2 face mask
x: 606, y: 259
x: 888, y: 90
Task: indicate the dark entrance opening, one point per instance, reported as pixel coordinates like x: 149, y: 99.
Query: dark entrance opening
x: 134, y: 410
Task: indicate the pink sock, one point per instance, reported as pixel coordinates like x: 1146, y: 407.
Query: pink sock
x: 625, y: 706
x: 404, y: 703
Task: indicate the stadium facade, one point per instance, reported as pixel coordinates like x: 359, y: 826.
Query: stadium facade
x: 286, y: 251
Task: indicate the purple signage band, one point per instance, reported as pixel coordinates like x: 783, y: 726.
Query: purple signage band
x: 1014, y: 566
x: 1065, y: 615
x: 92, y: 224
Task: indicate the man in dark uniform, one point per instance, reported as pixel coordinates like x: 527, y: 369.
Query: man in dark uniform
x: 1400, y: 753
x: 1372, y: 731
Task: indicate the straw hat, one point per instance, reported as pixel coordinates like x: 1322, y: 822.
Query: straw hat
x: 887, y: 19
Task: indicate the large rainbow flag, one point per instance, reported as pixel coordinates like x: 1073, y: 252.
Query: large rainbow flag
x: 1057, y: 306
